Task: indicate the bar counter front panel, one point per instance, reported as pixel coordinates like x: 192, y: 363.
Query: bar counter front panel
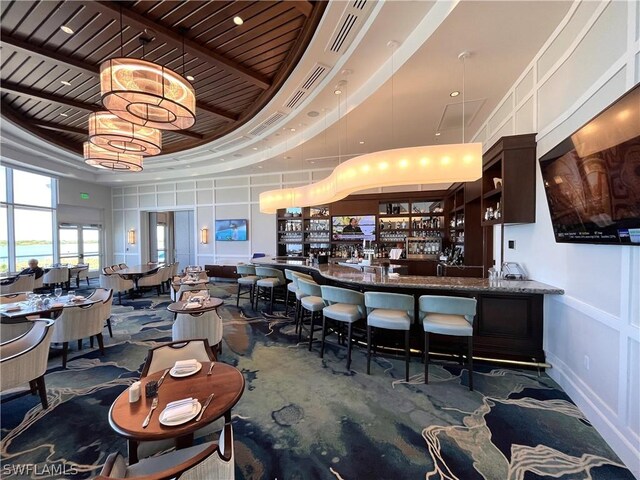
x: 509, y: 320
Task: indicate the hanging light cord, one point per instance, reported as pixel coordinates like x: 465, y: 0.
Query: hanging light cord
x: 339, y: 143
x: 464, y: 90
x: 393, y: 138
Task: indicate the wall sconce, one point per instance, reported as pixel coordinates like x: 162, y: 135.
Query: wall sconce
x: 204, y: 235
x: 131, y: 236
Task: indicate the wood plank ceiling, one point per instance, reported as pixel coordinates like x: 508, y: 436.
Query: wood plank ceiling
x: 236, y: 69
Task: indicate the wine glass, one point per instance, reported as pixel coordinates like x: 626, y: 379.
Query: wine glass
x: 57, y: 292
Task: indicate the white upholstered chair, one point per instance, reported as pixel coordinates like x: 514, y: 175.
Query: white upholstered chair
x: 117, y: 283
x: 22, y: 283
x: 79, y: 272
x: 56, y: 276
x: 207, y: 461
x: 105, y: 296
x: 76, y: 323
x: 153, y: 280
x: 198, y: 325
x: 24, y: 359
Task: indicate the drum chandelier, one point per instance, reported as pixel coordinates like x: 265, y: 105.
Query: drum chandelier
x: 101, y: 158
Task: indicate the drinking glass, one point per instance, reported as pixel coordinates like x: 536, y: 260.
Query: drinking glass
x: 71, y: 294
x: 57, y: 292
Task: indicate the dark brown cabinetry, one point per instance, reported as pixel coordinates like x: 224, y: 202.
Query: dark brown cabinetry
x: 509, y: 181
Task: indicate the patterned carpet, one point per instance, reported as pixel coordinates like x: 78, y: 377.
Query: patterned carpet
x: 302, y: 417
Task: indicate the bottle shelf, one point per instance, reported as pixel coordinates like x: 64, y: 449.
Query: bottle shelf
x: 496, y: 192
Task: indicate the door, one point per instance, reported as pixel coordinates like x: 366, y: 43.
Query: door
x: 184, y: 238
x: 81, y: 244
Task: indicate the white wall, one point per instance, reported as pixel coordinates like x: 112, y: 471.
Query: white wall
x: 592, y: 334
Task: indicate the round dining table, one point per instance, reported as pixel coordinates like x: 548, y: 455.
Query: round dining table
x: 225, y: 382
x: 184, y: 307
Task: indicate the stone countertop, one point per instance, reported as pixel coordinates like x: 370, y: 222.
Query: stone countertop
x: 350, y: 275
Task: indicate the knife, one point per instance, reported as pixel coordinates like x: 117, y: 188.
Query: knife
x: 162, y: 377
x: 206, y: 404
x: 154, y: 405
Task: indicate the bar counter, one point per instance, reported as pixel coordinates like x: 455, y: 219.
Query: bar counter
x: 509, y: 322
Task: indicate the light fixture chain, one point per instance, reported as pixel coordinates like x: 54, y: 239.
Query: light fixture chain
x: 464, y: 91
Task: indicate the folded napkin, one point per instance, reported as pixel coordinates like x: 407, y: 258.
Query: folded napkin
x: 183, y: 366
x: 176, y: 411
x: 196, y: 298
x: 191, y: 305
x: 78, y: 298
x: 394, y: 275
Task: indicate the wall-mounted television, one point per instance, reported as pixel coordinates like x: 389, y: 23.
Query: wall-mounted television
x: 592, y: 179
x: 234, y: 230
x: 354, y: 227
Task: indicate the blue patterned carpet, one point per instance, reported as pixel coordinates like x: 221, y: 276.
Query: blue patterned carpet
x: 302, y: 417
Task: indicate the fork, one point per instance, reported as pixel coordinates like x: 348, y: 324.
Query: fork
x: 154, y: 405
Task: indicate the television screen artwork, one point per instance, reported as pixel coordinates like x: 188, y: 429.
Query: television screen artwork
x: 592, y: 179
x: 354, y: 227
x: 231, y: 230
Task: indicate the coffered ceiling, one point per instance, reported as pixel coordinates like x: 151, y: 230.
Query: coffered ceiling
x: 50, y: 77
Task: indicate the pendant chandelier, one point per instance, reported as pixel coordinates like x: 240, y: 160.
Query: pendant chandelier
x: 101, y: 158
x: 428, y: 164
x: 148, y: 94
x: 110, y: 132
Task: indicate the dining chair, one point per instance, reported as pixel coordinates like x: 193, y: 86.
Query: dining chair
x: 115, y: 268
x: 107, y: 270
x: 389, y: 311
x: 247, y: 280
x: 445, y: 315
x: 122, y: 266
x: 76, y: 323
x: 207, y: 325
x: 153, y: 280
x: 22, y: 283
x: 24, y: 359
x: 311, y: 302
x: 105, y: 297
x: 270, y: 279
x: 344, y: 306
x: 210, y: 461
x: 56, y: 276
x: 185, y: 287
x: 82, y: 273
x: 117, y: 283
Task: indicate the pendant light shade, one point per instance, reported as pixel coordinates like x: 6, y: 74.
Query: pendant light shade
x: 110, y: 132
x: 460, y: 162
x: 100, y: 158
x: 148, y: 94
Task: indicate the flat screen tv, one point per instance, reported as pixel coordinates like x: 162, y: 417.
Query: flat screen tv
x: 592, y: 179
x: 354, y: 227
x: 231, y: 230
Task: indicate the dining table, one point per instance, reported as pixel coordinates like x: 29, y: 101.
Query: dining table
x: 9, y: 312
x: 207, y: 305
x: 223, y: 382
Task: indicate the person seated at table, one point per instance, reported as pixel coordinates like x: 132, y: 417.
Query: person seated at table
x: 33, y: 268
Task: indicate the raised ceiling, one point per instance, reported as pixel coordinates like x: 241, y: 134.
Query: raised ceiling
x: 236, y: 69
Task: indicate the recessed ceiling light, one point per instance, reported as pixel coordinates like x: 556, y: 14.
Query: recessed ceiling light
x: 238, y: 20
x: 361, y: 142
x: 312, y: 161
x: 188, y: 166
x: 255, y: 148
x: 437, y: 134
x: 190, y: 78
x: 259, y: 166
x: 454, y: 94
x: 64, y: 82
x: 292, y: 129
x: 287, y: 158
x: 337, y: 91
x: 66, y: 29
x: 64, y: 115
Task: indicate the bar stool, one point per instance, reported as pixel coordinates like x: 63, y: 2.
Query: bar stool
x: 344, y: 306
x: 291, y: 288
x: 448, y: 316
x: 390, y: 311
x: 248, y: 280
x: 311, y: 302
x: 269, y: 279
x: 299, y: 295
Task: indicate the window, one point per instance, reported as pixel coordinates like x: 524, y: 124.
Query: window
x: 27, y: 219
x: 80, y: 244
x: 161, y: 232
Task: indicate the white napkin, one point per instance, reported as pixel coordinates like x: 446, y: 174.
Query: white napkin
x: 394, y: 275
x: 78, y: 298
x: 196, y: 298
x: 184, y: 366
x: 178, y: 410
x: 192, y: 305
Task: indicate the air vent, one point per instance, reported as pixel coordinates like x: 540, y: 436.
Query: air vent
x: 273, y: 118
x: 353, y: 18
x: 233, y: 143
x: 295, y: 99
x: 343, y: 33
x: 313, y: 77
x: 452, y: 114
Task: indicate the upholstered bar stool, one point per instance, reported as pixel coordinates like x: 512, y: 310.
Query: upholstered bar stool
x: 246, y: 281
x: 389, y: 311
x: 448, y: 316
x: 291, y: 289
x: 344, y: 306
x: 269, y: 279
x: 299, y: 295
x: 311, y: 302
